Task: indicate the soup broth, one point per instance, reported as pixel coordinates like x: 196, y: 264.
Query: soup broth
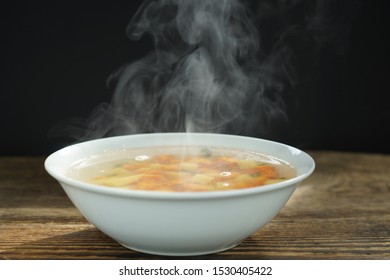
x: 182, y: 169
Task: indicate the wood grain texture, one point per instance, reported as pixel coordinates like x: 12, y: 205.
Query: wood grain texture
x: 341, y: 212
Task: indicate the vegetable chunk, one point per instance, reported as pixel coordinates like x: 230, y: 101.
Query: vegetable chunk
x: 208, y: 170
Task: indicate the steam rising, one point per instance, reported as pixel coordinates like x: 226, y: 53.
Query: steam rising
x: 204, y: 75
x: 210, y: 71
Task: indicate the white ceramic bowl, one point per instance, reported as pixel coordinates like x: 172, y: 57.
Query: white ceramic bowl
x: 178, y: 224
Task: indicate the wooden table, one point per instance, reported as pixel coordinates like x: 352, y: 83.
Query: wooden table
x: 341, y: 212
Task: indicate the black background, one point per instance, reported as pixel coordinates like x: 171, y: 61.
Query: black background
x: 57, y: 56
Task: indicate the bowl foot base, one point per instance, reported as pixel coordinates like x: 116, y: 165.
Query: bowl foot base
x: 179, y: 253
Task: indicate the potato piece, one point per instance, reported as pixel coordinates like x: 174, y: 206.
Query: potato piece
x: 247, y: 163
x: 189, y: 166
x: 201, y: 179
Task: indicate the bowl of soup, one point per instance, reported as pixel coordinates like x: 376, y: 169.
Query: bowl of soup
x: 179, y: 194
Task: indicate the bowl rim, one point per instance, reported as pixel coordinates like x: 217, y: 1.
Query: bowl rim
x: 63, y: 179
